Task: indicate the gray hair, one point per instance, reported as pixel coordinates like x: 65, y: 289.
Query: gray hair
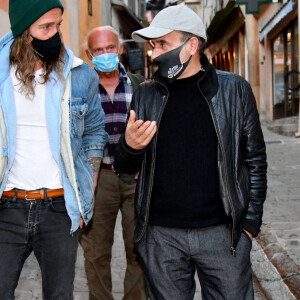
x: 101, y: 28
x: 186, y: 35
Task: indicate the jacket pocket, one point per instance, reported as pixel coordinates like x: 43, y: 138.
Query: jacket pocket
x: 79, y: 111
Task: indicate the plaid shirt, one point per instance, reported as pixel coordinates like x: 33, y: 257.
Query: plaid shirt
x: 115, y: 112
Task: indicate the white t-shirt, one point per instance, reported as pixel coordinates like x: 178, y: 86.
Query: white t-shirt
x: 34, y: 166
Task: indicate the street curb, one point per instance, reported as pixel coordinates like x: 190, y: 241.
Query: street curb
x: 286, y: 267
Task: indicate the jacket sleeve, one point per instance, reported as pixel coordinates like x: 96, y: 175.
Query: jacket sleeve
x: 126, y: 159
x: 254, y: 151
x: 94, y: 136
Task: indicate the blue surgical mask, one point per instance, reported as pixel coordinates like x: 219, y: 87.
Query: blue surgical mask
x: 106, y: 62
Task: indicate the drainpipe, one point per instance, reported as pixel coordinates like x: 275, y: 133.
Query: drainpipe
x: 297, y: 134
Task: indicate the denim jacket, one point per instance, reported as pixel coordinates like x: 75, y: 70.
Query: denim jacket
x: 76, y: 129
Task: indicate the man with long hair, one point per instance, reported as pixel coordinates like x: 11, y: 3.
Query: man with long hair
x: 52, y: 141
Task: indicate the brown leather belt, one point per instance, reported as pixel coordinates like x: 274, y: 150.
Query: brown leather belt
x: 106, y: 166
x: 33, y: 195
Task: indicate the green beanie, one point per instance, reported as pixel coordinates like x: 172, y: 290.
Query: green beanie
x: 23, y: 13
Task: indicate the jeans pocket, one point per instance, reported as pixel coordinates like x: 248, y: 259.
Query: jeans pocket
x: 4, y: 203
x: 58, y: 205
x: 247, y: 236
x: 127, y: 178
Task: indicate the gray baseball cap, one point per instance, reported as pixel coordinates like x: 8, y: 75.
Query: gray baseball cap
x: 172, y: 18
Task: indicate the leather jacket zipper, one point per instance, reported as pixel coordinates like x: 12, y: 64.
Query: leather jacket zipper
x: 232, y: 249
x: 153, y: 169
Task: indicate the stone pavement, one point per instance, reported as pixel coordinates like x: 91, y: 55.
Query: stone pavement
x: 279, y: 239
x: 275, y: 254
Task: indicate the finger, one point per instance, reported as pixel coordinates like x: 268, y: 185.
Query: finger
x: 148, y: 139
x: 149, y: 128
x: 143, y: 127
x: 81, y: 222
x: 132, y: 116
x: 137, y: 124
x: 149, y: 134
x: 132, y: 124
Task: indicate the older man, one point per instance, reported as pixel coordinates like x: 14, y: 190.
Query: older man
x: 194, y: 134
x: 52, y: 141
x: 114, y: 193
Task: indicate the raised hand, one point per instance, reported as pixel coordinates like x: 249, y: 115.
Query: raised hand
x: 138, y: 133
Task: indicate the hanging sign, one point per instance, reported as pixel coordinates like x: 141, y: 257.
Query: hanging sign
x: 252, y: 6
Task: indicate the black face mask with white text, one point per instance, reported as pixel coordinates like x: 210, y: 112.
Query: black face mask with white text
x: 47, y: 50
x: 169, y: 64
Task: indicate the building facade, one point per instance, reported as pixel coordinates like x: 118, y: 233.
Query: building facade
x: 230, y: 32
x: 279, y: 60
x: 4, y: 20
x: 263, y: 47
x: 80, y: 16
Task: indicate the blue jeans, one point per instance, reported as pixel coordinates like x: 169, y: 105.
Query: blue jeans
x: 171, y: 256
x: 41, y: 226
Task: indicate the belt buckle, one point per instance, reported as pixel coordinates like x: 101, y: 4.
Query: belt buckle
x: 25, y: 192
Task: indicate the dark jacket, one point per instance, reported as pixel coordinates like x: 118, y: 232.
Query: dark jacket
x: 242, y: 163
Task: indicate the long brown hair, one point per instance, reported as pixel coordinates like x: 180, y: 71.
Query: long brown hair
x: 23, y: 58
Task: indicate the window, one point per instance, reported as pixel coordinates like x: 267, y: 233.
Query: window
x: 285, y: 77
x: 90, y: 7
x: 234, y: 56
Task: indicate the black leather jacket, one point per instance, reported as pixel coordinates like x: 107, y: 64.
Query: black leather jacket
x: 241, y: 149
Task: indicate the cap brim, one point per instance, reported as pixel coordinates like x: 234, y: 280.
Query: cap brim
x: 145, y: 34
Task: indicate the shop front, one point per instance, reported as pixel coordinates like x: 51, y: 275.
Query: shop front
x: 285, y: 72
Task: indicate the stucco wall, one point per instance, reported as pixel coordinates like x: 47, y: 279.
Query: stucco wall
x: 4, y: 22
x: 106, y: 13
x: 87, y: 22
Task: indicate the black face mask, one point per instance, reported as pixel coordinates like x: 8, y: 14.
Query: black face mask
x: 169, y: 65
x: 47, y: 50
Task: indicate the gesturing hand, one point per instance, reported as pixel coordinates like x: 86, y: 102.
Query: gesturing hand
x: 138, y: 133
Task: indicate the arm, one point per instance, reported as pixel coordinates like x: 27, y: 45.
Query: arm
x: 254, y: 151
x: 95, y: 166
x: 94, y: 137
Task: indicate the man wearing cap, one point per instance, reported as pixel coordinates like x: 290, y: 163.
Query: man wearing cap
x: 52, y: 140
x: 194, y: 134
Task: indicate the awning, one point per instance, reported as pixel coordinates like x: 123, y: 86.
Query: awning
x: 226, y: 21
x: 283, y: 11
x: 252, y: 6
x: 129, y: 22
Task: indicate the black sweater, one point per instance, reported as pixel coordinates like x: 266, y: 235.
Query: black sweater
x: 185, y: 190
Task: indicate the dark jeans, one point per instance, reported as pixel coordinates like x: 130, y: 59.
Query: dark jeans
x: 172, y: 255
x: 41, y: 226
